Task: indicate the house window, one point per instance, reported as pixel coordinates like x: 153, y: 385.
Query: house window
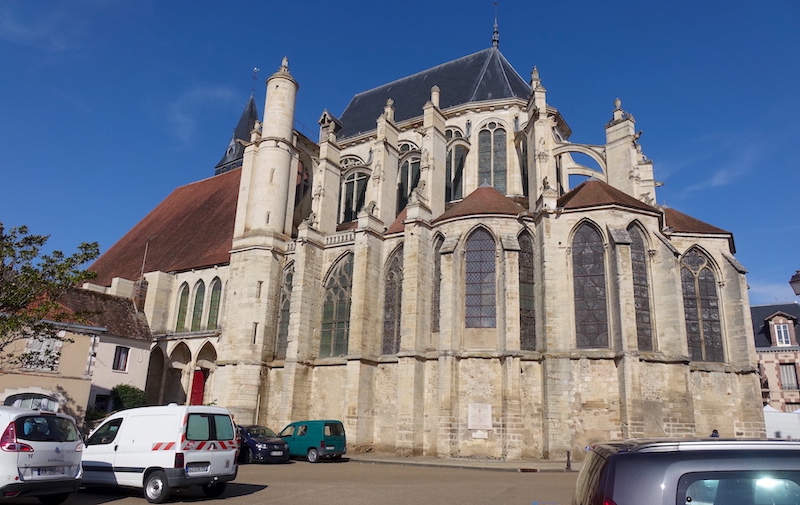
x: 454, y: 166
x: 641, y: 290
x: 354, y: 191
x: 480, y: 306
x: 492, y: 156
x: 792, y: 407
x: 782, y: 335
x: 407, y: 181
x: 42, y: 353
x: 527, y: 308
x: 197, y: 310
x: 213, y: 308
x: 335, y: 331
x: 701, y: 308
x: 102, y: 402
x: 589, y: 288
x: 183, y: 306
x: 120, y: 359
x: 788, y: 376
x: 282, y: 340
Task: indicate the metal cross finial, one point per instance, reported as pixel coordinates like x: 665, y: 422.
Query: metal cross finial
x: 496, y: 33
x: 254, y: 76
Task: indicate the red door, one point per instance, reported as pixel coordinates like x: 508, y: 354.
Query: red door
x: 198, y: 386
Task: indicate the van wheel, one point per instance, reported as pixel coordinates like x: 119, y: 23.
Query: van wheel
x: 156, y: 487
x: 214, y: 490
x: 53, y: 499
x: 312, y: 456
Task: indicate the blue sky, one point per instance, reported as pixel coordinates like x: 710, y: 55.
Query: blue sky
x: 109, y: 105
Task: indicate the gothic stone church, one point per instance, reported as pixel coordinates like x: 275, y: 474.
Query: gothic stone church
x: 425, y: 272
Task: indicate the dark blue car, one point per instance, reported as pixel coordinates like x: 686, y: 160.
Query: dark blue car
x: 261, y: 444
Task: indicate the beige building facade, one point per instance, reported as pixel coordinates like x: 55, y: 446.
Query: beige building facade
x: 440, y: 272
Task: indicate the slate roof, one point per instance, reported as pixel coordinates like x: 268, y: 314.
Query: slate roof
x: 191, y: 228
x: 484, y: 200
x: 759, y: 313
x: 233, y: 158
x: 485, y: 75
x: 118, y: 315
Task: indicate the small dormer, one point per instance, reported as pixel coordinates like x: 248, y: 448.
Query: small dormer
x: 781, y: 329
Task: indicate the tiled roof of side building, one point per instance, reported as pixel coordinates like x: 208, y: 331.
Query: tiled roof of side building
x: 191, y: 228
x: 594, y: 193
x: 117, y: 314
x: 484, y: 200
x: 681, y: 222
x: 759, y: 314
x: 485, y: 75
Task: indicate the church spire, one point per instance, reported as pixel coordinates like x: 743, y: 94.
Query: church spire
x: 496, y: 33
x: 234, y: 152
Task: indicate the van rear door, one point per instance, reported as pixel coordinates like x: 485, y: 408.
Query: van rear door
x: 209, y: 444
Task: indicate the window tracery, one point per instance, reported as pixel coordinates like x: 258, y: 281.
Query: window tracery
x: 197, y: 310
x: 589, y: 288
x: 492, y: 156
x: 641, y: 290
x: 335, y: 331
x: 527, y: 307
x: 701, y: 307
x: 353, y: 194
x: 282, y: 338
x: 183, y: 307
x: 393, y: 296
x: 480, y: 284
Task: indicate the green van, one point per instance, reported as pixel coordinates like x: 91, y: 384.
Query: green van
x: 315, y: 439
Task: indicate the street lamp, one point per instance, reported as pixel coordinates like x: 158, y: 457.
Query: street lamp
x: 795, y: 282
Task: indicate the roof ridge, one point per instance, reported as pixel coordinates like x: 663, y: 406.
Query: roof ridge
x: 481, y: 74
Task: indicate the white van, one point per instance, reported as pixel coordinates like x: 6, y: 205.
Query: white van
x: 163, y: 448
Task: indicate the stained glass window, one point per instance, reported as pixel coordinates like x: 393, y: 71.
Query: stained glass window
x: 492, y: 156
x: 197, y: 310
x: 282, y: 339
x: 436, y: 309
x: 480, y: 306
x: 641, y: 290
x: 454, y: 165
x: 527, y: 309
x: 701, y: 308
x: 407, y: 181
x: 354, y: 192
x: 589, y: 288
x: 335, y: 330
x: 523, y: 164
x: 214, y: 305
x: 183, y: 307
x: 393, y: 295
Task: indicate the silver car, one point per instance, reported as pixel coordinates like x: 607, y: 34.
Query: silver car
x: 690, y: 472
x: 40, y: 455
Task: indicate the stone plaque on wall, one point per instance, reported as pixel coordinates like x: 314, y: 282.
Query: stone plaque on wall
x: 479, y: 416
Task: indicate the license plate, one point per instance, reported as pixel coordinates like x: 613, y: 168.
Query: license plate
x: 276, y: 453
x: 54, y: 470
x: 329, y: 448
x: 196, y: 468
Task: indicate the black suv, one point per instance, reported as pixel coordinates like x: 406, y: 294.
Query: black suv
x: 690, y: 472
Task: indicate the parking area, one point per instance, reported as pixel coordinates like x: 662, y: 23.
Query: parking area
x: 360, y: 483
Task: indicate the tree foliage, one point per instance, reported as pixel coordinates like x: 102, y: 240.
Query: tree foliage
x: 30, y: 284
x: 124, y: 396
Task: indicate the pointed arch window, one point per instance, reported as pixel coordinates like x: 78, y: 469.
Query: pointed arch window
x: 454, y: 166
x: 701, y: 307
x: 197, y: 309
x: 436, y: 309
x: 282, y: 339
x: 392, y: 301
x: 522, y: 152
x: 589, y: 288
x: 183, y: 307
x: 214, y: 304
x: 353, y: 194
x: 641, y: 290
x: 335, y: 331
x: 407, y: 180
x: 492, y: 156
x: 527, y: 308
x: 480, y: 306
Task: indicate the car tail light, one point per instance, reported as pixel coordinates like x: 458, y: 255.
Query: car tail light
x: 322, y: 444
x: 179, y: 460
x: 609, y: 502
x: 8, y: 442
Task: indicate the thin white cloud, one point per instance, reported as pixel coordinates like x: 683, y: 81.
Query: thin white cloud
x: 51, y: 26
x: 185, y: 113
x: 767, y: 293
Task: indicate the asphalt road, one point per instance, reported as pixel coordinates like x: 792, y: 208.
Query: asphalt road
x: 354, y: 483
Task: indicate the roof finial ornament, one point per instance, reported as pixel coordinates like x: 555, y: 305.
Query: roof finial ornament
x: 496, y: 33
x: 254, y: 76
x: 285, y: 64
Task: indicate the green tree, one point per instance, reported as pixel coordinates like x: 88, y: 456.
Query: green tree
x: 124, y: 396
x: 30, y: 284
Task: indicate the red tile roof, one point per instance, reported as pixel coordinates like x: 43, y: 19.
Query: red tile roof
x: 118, y: 315
x: 597, y: 194
x: 680, y: 222
x: 397, y: 226
x: 191, y: 228
x: 482, y: 201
